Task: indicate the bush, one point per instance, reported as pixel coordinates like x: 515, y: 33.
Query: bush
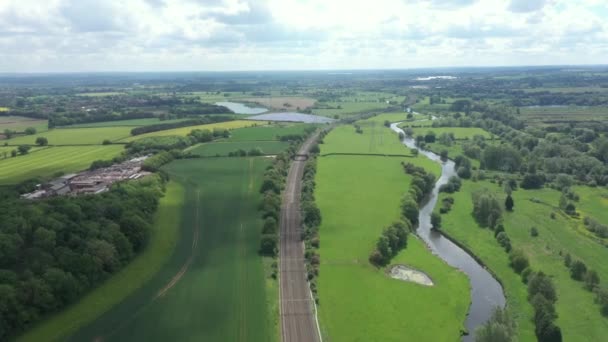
x: 487, y: 210
x: 392, y: 240
x: 518, y: 261
x: 577, y: 270
x: 435, y: 221
x: 533, y: 232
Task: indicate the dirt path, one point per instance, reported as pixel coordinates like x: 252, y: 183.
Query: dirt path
x: 176, y: 278
x: 297, y: 308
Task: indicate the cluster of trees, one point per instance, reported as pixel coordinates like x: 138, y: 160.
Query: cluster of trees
x: 173, y: 142
x: 311, y: 220
x: 154, y: 162
x: 270, y: 207
x: 453, y: 185
x: 542, y: 296
x: 65, y: 118
x: 54, y: 250
x: 487, y: 209
x: 500, y: 327
x: 204, y: 120
x: 392, y: 240
x: 597, y: 228
x: 253, y: 152
x: 446, y: 204
x: 421, y: 185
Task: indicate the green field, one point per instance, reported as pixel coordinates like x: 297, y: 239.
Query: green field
x: 130, y: 123
x: 185, y: 130
x: 48, y: 161
x: 20, y: 123
x: 75, y: 136
x: 459, y: 132
x: 224, y: 147
x: 350, y: 289
x: 579, y: 318
x: 213, y: 288
x: 375, y: 139
x: 347, y: 108
x: 357, y: 301
x: 137, y: 273
x: 270, y: 132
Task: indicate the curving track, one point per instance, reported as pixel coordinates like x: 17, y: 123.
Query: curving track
x: 298, y: 318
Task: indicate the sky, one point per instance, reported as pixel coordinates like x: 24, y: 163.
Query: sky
x: 221, y: 35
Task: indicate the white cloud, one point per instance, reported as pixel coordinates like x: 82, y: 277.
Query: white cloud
x: 90, y: 35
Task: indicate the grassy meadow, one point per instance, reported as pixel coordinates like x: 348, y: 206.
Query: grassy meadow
x: 351, y: 289
x: 375, y: 139
x: 223, y: 148
x: 270, y: 132
x: 214, y: 287
x: 347, y: 108
x: 75, y: 136
x: 162, y: 242
x: 46, y: 162
x: 129, y: 123
x: 579, y: 318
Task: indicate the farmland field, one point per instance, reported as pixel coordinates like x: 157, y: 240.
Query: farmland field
x: 459, y: 132
x: 270, y: 132
x: 555, y: 236
x: 20, y: 123
x: 186, y: 130
x: 346, y: 108
x: 221, y: 292
x: 223, y: 148
x: 350, y: 288
x: 375, y: 139
x: 162, y: 242
x: 49, y: 161
x: 130, y: 123
x: 75, y: 136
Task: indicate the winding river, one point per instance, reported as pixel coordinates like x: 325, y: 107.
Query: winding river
x: 486, y: 292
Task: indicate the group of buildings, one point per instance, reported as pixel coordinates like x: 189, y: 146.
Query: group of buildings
x: 90, y: 182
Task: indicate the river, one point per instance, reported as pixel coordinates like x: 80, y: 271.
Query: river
x: 486, y: 292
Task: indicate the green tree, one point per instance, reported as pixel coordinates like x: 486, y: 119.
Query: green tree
x: 42, y: 141
x: 23, y: 149
x: 499, y: 328
x: 509, y: 204
x: 435, y: 221
x: 30, y: 131
x: 578, y: 270
x: 592, y: 280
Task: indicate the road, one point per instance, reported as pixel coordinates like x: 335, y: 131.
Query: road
x: 298, y: 320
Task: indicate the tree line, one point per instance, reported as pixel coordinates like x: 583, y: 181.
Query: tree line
x: 52, y: 251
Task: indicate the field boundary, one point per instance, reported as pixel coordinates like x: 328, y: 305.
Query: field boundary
x: 365, y: 154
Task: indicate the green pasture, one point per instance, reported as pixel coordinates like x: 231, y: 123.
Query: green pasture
x: 75, y: 136
x: 375, y: 139
x: 347, y: 108
x: 222, y: 292
x: 579, y: 317
x: 130, y: 123
x: 459, y: 132
x: 162, y: 242
x: 270, y: 132
x: 48, y: 161
x: 357, y: 301
x: 223, y: 148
